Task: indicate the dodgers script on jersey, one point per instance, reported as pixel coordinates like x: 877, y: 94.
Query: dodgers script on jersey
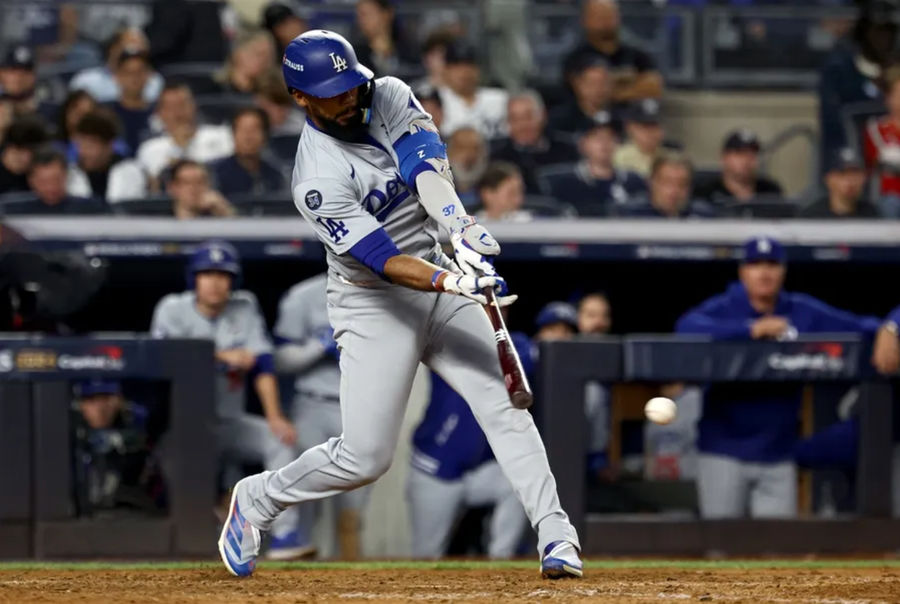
x: 347, y: 190
x: 239, y: 326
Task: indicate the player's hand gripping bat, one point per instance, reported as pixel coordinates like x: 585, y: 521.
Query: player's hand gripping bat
x: 516, y: 381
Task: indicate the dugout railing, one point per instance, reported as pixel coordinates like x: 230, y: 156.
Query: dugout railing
x: 37, y: 518
x: 566, y: 367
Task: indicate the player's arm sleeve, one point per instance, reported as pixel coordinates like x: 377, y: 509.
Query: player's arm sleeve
x: 421, y: 154
x: 710, y: 318
x: 340, y: 221
x: 830, y: 319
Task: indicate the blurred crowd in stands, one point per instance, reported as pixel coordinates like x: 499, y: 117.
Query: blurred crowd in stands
x: 189, y: 116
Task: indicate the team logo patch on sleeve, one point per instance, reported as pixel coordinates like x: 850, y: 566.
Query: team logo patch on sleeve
x: 313, y: 199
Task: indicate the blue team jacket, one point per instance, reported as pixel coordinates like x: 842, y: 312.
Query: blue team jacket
x: 449, y: 442
x: 758, y: 422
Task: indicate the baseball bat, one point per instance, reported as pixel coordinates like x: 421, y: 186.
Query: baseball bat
x: 516, y: 381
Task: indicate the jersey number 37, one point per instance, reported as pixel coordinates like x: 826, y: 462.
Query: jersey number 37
x: 337, y: 230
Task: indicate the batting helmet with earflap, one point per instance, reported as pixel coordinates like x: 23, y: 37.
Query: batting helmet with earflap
x: 323, y: 64
x: 214, y: 256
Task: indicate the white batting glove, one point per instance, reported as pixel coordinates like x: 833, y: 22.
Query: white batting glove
x: 471, y: 246
x: 472, y: 287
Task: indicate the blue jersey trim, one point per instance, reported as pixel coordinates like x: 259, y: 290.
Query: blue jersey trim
x: 374, y: 250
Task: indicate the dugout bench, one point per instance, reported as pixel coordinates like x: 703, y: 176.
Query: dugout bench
x: 36, y: 508
x: 566, y: 367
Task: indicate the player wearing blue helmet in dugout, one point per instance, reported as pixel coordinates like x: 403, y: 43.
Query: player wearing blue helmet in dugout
x: 213, y: 308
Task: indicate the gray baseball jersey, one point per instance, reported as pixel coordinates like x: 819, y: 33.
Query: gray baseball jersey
x: 302, y: 320
x: 347, y: 190
x: 240, y: 325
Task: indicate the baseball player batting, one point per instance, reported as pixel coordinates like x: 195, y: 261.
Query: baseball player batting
x: 371, y: 177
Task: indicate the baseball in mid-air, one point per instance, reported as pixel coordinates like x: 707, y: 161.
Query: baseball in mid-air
x: 660, y: 410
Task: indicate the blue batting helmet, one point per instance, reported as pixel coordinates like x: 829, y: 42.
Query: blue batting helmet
x: 214, y: 256
x: 323, y: 64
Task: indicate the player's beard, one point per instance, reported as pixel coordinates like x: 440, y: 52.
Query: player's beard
x: 351, y: 132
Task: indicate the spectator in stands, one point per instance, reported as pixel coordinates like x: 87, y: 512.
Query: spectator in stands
x: 740, y: 180
x: 434, y: 59
x: 464, y: 101
x: 592, y: 86
x: 502, y: 194
x: 249, y: 61
x: 670, y: 191
x: 845, y: 182
x: 247, y: 172
x: 284, y: 24
x: 18, y: 82
x: 529, y: 145
x: 285, y: 117
x: 132, y: 73
x: 881, y: 146
x: 47, y: 178
x: 24, y: 135
x: 101, y: 82
x: 748, y: 432
x: 594, y: 314
x: 381, y: 46
x: 192, y: 196
x: 645, y: 138
x: 593, y: 186
x: 431, y: 103
x: 181, y: 31
x: 76, y: 105
x: 99, y: 171
x: 6, y: 117
x: 853, y: 72
x: 634, y: 75
x: 468, y: 156
x: 183, y: 136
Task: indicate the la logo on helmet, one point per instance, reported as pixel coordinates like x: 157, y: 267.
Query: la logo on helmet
x: 338, y: 62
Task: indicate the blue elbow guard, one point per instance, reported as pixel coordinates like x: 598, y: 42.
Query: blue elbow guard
x: 413, y: 151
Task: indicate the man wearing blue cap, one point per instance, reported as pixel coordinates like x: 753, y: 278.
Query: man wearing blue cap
x: 747, y: 432
x: 111, y: 450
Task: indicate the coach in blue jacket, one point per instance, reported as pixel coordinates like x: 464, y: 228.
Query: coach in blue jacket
x: 747, y: 433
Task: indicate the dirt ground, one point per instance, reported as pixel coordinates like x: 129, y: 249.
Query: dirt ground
x: 274, y: 586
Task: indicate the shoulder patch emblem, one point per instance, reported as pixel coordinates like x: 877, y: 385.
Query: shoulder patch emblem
x: 313, y: 199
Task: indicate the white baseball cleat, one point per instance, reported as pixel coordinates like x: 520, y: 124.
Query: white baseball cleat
x: 239, y: 541
x: 561, y: 561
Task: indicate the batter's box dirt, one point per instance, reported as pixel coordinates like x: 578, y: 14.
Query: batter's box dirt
x: 821, y: 583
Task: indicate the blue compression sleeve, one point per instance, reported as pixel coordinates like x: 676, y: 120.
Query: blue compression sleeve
x: 374, y: 249
x: 265, y: 363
